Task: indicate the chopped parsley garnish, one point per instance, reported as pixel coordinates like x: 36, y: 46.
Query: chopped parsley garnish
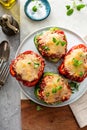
x: 76, y: 62
x: 45, y: 48
x: 36, y: 65
x: 34, y: 8
x: 47, y: 94
x: 81, y: 74
x: 58, y: 79
x: 74, y: 86
x: 54, y: 40
x: 39, y: 108
x: 81, y: 55
x: 63, y: 43
x: 59, y: 87
x: 55, y: 90
x: 54, y: 29
x: 29, y: 62
x: 58, y: 41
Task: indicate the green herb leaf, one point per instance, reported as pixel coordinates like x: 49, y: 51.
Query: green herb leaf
x: 36, y: 65
x: 76, y: 62
x: 34, y: 8
x: 57, y: 43
x: 54, y: 29
x: 81, y: 55
x: 70, y: 12
x: 47, y: 94
x: 70, y: 9
x: 45, y: 48
x: 59, y: 87
x: 80, y: 6
x: 63, y: 43
x: 39, y: 108
x: 74, y: 86
x: 58, y: 79
x: 67, y: 7
x: 81, y: 74
x: 54, y: 90
x: 29, y: 62
x: 54, y: 40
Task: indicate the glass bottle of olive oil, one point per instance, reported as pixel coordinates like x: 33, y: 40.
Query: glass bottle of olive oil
x: 7, y: 3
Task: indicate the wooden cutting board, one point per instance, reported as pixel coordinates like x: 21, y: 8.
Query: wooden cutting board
x: 36, y: 117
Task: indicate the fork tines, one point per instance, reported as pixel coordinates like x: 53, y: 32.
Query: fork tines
x: 4, y: 73
x: 1, y: 62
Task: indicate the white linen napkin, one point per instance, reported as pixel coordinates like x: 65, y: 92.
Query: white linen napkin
x: 79, y: 108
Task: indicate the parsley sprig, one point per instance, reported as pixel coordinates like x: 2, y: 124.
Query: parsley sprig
x: 38, y: 108
x: 76, y: 62
x: 58, y: 41
x: 36, y: 65
x: 78, y: 7
x: 46, y: 48
x: 74, y: 86
x: 55, y: 90
x: 81, y: 73
x: 35, y: 7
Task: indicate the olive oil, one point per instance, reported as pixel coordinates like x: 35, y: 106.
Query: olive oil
x: 7, y: 3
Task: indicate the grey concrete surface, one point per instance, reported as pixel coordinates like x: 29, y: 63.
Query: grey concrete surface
x: 10, y: 117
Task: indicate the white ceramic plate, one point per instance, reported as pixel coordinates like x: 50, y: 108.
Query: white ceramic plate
x: 28, y: 44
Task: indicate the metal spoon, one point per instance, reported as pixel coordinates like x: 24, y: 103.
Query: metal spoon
x: 4, y: 52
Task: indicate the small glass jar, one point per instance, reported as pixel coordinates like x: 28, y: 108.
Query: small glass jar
x: 7, y: 3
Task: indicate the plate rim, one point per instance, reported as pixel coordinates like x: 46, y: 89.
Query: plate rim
x: 18, y: 50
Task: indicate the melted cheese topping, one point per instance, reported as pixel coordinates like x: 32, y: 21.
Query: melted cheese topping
x: 47, y: 39
x: 28, y: 67
x: 53, y: 83
x: 81, y: 56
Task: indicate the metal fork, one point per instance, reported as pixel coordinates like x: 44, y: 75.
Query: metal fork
x: 1, y: 62
x: 4, y: 73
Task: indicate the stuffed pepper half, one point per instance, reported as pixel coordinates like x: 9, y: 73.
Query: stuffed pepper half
x: 28, y: 67
x: 53, y: 88
x: 52, y: 44
x: 74, y: 66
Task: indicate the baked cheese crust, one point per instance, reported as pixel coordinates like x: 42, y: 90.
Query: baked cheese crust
x: 52, y: 44
x: 28, y: 67
x: 74, y: 66
x: 54, y: 89
x: 76, y: 62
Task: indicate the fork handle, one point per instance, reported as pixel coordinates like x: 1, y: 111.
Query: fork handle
x: 2, y: 61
